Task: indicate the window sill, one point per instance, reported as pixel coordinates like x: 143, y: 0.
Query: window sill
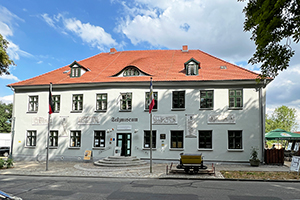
x: 178, y: 109
x: 148, y: 149
x: 176, y: 149
x: 235, y: 108
x: 53, y: 147
x: 124, y: 110
x: 205, y: 149
x: 235, y: 150
x: 206, y: 108
x: 73, y: 147
x: 100, y: 111
x: 76, y: 111
x: 98, y: 148
x: 30, y: 147
x: 31, y: 112
x: 153, y: 110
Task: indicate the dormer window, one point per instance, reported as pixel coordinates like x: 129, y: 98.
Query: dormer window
x: 192, y: 67
x: 131, y: 71
x: 77, y: 70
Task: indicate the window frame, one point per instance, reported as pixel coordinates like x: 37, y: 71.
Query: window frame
x: 235, y: 96
x: 147, y: 139
x: 234, y: 148
x: 99, y: 137
x: 207, y: 98
x: 75, y: 137
x: 75, y: 72
x: 33, y: 104
x: 56, y: 103
x: 192, y: 66
x: 210, y: 137
x: 100, y: 101
x: 51, y: 138
x: 31, y: 139
x: 178, y: 100
x: 76, y: 103
x: 126, y: 100
x: 177, y: 139
x: 147, y: 98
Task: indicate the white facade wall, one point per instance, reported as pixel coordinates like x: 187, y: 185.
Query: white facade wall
x: 247, y: 119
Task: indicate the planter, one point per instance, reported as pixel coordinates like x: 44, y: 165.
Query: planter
x: 254, y: 163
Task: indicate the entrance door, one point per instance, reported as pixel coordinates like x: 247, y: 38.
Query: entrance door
x: 124, y: 141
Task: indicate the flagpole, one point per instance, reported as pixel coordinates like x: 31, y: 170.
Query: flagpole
x: 150, y: 142
x: 48, y: 133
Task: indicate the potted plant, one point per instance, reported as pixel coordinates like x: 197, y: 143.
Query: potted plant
x: 254, y: 161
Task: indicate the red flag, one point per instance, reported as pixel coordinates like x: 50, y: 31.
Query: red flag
x: 51, y: 105
x: 151, y: 97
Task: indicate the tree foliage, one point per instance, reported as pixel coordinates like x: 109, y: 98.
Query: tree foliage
x: 273, y: 24
x: 284, y: 118
x: 5, y: 61
x: 5, y: 117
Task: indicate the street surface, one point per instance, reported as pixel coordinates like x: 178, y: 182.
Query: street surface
x: 56, y: 188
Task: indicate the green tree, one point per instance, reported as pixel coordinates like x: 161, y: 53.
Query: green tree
x: 5, y: 61
x: 284, y: 118
x: 272, y: 24
x: 5, y: 117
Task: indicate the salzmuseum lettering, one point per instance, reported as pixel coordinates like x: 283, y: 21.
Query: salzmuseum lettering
x: 118, y: 119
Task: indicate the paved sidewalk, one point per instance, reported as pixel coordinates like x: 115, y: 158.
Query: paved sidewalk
x: 159, y: 170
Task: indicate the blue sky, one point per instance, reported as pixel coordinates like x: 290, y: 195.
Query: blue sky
x: 46, y: 35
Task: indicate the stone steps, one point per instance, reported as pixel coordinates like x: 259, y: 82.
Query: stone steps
x: 120, y: 161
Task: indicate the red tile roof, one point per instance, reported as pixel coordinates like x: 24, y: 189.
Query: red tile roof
x: 162, y: 65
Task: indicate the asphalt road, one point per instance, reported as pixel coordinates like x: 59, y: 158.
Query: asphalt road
x: 56, y: 188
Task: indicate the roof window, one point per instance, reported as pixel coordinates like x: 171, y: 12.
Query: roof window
x: 192, y: 67
x: 77, y: 70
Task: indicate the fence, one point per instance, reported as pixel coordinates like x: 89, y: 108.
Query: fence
x: 274, y: 156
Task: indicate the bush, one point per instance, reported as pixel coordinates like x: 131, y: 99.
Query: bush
x: 6, y: 163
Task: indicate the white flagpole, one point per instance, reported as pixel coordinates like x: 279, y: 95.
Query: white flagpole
x: 151, y: 88
x: 48, y: 133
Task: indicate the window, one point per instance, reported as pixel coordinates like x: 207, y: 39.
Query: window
x: 77, y: 102
x: 75, y: 72
x: 205, y: 139
x: 75, y: 139
x: 33, y: 103
x: 131, y: 71
x: 236, y: 98
x: 56, y: 102
x: 206, y: 99
x: 192, y: 68
x: 53, y: 139
x: 148, y: 101
x: 99, y: 138
x: 178, y: 99
x: 147, y: 139
x: 126, y: 101
x: 101, y: 102
x: 176, y: 139
x: 235, y: 140
x: 31, y: 139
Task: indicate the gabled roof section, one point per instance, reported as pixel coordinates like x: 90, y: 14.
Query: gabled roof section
x: 192, y: 59
x: 131, y: 71
x: 162, y: 65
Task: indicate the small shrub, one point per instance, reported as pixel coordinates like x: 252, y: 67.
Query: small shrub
x: 9, y: 162
x: 2, y: 163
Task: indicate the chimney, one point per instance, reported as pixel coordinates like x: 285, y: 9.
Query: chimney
x: 112, y: 50
x: 185, y: 48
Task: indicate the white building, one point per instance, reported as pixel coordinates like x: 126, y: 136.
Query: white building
x: 203, y: 105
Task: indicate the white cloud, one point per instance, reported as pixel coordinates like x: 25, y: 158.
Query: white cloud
x: 93, y: 35
x: 212, y: 26
x: 9, y: 77
x: 7, y: 99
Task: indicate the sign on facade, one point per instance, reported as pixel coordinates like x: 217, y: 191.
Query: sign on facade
x: 38, y: 121
x: 164, y: 119
x: 88, y: 120
x: 221, y: 118
x: 191, y: 126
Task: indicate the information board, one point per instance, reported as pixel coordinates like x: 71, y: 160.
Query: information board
x: 295, y: 164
